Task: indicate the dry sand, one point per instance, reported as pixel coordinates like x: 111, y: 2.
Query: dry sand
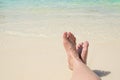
x: 36, y: 58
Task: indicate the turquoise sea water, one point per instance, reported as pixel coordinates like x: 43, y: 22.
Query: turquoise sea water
x: 33, y: 17
x: 56, y: 3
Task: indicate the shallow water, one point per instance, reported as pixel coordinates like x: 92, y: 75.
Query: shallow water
x: 49, y: 18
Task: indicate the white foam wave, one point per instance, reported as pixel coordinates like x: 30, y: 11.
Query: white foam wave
x: 27, y: 34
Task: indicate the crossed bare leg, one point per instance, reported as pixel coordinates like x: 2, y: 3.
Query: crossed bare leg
x: 77, y: 58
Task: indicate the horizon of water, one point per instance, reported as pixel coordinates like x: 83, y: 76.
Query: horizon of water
x: 63, y: 4
x: 40, y: 18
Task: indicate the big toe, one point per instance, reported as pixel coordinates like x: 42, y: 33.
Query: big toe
x: 65, y: 35
x: 65, y: 38
x: 86, y: 44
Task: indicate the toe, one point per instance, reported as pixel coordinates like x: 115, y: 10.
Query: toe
x: 65, y: 38
x: 65, y: 35
x: 79, y: 46
x: 86, y: 44
x: 72, y: 38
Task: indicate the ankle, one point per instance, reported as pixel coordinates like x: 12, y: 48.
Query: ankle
x: 77, y: 64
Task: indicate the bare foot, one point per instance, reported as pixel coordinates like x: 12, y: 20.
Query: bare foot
x: 69, y: 42
x: 74, y: 53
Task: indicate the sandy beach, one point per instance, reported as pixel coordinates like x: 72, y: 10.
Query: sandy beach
x: 31, y: 39
x: 29, y: 58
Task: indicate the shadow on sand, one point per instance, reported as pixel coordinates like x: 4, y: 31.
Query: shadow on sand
x: 102, y: 73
